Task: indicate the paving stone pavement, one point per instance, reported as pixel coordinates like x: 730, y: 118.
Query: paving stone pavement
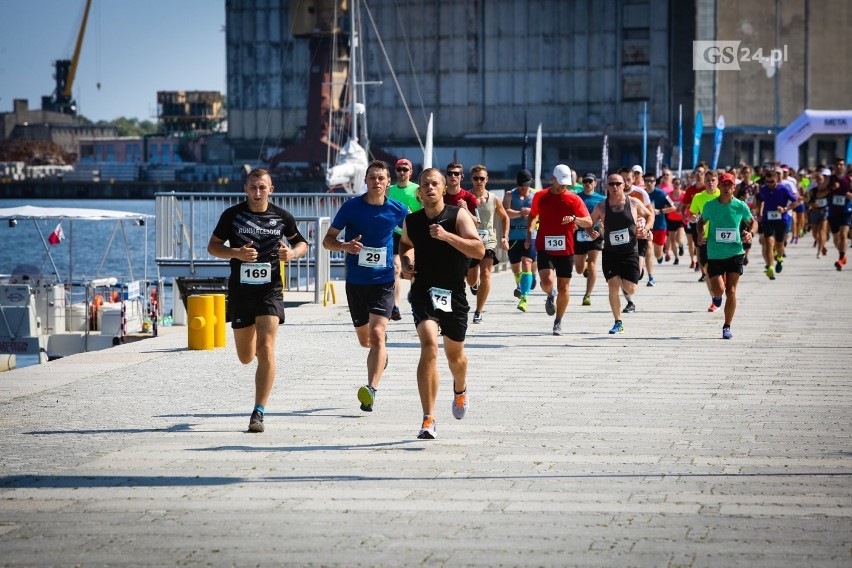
x: 661, y: 446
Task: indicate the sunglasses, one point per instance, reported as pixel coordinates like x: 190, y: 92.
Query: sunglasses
x: 454, y: 173
x: 402, y: 169
x: 478, y: 178
x: 614, y: 183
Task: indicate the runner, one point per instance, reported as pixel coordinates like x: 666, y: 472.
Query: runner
x: 695, y: 188
x: 522, y: 258
x: 711, y: 191
x: 674, y: 224
x: 746, y: 191
x: 558, y: 212
x: 662, y: 205
x: 775, y: 203
x: 404, y: 191
x: 818, y: 198
x: 368, y: 221
x: 720, y: 229
x: 255, y: 231
x: 618, y: 213
x: 442, y: 239
x: 586, y: 249
x: 489, y: 206
x: 840, y: 210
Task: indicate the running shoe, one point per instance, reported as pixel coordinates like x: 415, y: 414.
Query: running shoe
x: 726, y: 333
x: 680, y: 250
x: 824, y: 251
x: 557, y: 328
x: 843, y: 260
x: 770, y: 272
x: 712, y: 308
x: 367, y: 397
x: 587, y: 300
x: 256, y: 421
x: 668, y: 257
x: 550, y: 304
x: 701, y: 278
x: 617, y: 328
x: 676, y: 260
x: 651, y: 281
x: 522, y: 305
x: 692, y: 264
x: 477, y: 317
x: 427, y: 429
x: 461, y: 403
x: 838, y: 265
x: 535, y: 281
x: 395, y: 315
x: 660, y: 260
x: 517, y: 292
x: 779, y: 265
x: 474, y: 289
x: 697, y: 267
x: 630, y: 307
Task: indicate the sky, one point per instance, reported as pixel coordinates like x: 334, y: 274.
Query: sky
x: 133, y: 48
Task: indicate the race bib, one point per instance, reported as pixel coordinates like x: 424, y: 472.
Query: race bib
x: 483, y: 234
x: 583, y: 237
x: 773, y: 216
x: 726, y: 235
x: 838, y: 200
x: 441, y: 299
x: 554, y: 243
x: 621, y: 237
x: 821, y: 202
x: 255, y: 273
x: 373, y: 257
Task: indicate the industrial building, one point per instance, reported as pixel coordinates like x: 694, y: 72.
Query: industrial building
x: 491, y: 71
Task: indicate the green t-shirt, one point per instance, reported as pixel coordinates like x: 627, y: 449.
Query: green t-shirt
x: 722, y: 227
x: 700, y: 200
x: 407, y: 196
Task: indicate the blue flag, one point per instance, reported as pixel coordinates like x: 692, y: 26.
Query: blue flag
x: 696, y: 140
x: 717, y: 140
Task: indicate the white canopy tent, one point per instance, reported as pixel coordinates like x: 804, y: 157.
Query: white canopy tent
x: 71, y: 214
x: 807, y: 124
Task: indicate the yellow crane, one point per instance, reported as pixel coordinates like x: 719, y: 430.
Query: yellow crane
x: 61, y: 99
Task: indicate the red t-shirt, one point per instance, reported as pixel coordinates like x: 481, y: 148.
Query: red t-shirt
x: 690, y: 192
x: 463, y: 195
x: 551, y: 208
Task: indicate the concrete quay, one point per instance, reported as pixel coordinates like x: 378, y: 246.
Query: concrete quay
x: 662, y: 446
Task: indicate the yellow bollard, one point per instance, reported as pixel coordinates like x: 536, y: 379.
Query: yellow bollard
x: 328, y: 291
x: 219, y: 327
x: 201, y: 321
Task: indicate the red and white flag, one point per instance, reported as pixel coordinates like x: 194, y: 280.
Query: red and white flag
x: 57, y: 236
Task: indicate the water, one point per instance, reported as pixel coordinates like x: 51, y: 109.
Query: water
x: 22, y: 244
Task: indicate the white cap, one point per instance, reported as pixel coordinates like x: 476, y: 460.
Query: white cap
x: 826, y: 172
x: 563, y: 176
x: 637, y: 168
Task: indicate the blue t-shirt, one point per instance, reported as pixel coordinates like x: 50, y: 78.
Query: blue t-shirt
x: 660, y: 201
x: 772, y: 199
x: 375, y: 224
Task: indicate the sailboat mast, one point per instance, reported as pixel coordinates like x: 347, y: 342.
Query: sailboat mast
x: 353, y: 68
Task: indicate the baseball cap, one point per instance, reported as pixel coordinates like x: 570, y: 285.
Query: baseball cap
x: 727, y: 178
x: 826, y: 172
x: 590, y: 177
x: 562, y: 173
x: 637, y: 168
x: 404, y: 162
x: 524, y: 176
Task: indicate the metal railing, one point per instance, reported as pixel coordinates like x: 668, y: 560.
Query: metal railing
x: 185, y: 222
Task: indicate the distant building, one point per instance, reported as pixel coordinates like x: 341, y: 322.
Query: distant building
x: 489, y: 69
x: 189, y: 111
x: 63, y: 129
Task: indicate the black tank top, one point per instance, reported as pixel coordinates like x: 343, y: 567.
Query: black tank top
x: 438, y: 263
x: 619, y: 221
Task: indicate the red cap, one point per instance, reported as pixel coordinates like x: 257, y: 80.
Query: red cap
x: 404, y: 162
x: 727, y: 178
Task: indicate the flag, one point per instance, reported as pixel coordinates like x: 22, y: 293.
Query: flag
x: 57, y: 236
x: 717, y: 140
x: 696, y: 139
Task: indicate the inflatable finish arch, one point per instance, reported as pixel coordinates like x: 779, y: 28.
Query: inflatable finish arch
x: 807, y: 124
